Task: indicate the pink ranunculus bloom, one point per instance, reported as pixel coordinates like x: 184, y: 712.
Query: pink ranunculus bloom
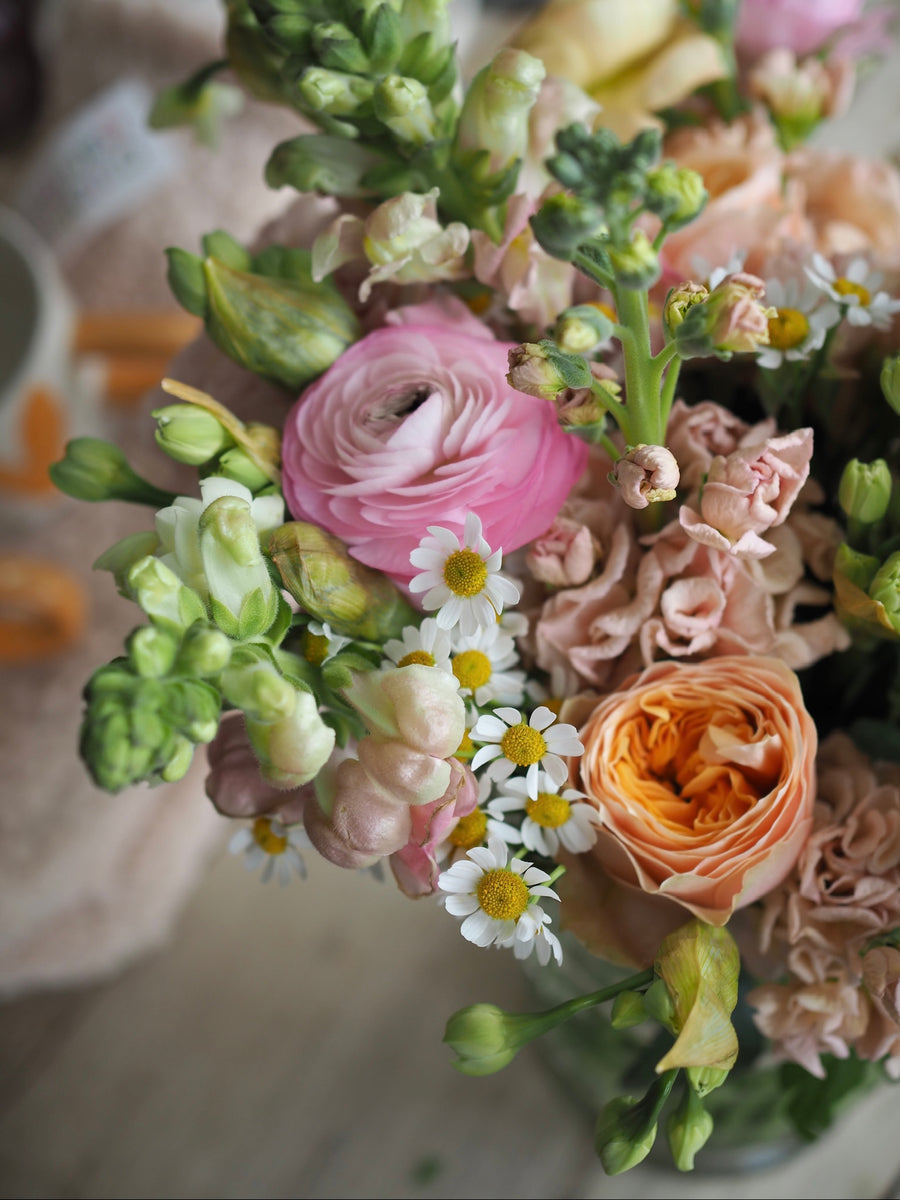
x: 416, y: 426
x: 748, y: 492
x: 415, y: 865
x: 800, y: 25
x: 703, y: 777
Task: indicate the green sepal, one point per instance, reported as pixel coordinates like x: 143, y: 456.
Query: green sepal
x: 187, y: 280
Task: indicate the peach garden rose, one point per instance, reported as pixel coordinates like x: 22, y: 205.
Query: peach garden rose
x: 703, y: 778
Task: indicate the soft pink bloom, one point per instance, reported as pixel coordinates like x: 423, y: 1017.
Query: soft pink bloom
x: 798, y: 24
x: 415, y: 865
x: 416, y: 721
x: 564, y: 556
x: 646, y: 475
x: 748, y: 492
x: 804, y: 1020
x: 703, y: 778
x: 416, y: 426
x: 698, y: 433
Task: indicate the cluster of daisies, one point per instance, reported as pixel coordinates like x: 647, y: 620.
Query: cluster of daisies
x: 514, y: 743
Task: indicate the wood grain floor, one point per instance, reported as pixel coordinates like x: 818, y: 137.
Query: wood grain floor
x: 287, y: 1043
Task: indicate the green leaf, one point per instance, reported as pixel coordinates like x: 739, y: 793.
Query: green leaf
x: 187, y: 280
x: 813, y: 1104
x: 227, y: 249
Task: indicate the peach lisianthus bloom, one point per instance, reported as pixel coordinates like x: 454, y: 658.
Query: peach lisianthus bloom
x: 703, y: 777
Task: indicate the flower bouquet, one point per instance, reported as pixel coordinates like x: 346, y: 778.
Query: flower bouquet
x: 564, y: 587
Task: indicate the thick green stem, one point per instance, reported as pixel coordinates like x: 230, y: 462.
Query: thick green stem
x: 641, y: 398
x: 569, y: 1008
x: 667, y: 393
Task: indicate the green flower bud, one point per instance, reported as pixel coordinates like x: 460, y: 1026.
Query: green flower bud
x: 658, y: 1004
x: 242, y: 598
x: 162, y: 595
x: 628, y: 1010
x: 193, y: 707
x: 497, y: 105
x: 637, y: 264
x: 853, y: 576
x: 121, y: 557
x: 180, y: 758
x: 403, y: 105
x: 581, y: 329
x: 152, y: 651
x: 675, y: 194
x: 864, y: 491
x: 93, y: 469
x: 259, y: 691
x: 885, y: 589
x: 427, y: 16
x: 288, y: 330
x: 330, y: 585
x: 541, y: 369
x: 198, y: 102
x: 890, y: 381
x: 320, y: 162
x: 334, y: 93
x: 204, y: 652
x: 236, y: 464
x: 485, y: 1038
x: 688, y: 1129
x: 626, y: 1128
x: 337, y: 48
x: 189, y: 434
x: 854, y: 566
x: 731, y: 320
x: 563, y: 222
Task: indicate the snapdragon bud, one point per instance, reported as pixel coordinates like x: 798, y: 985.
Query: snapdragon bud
x: 190, y: 434
x: 152, y: 651
x: 334, y: 93
x: 497, y: 105
x: 121, y: 557
x: 161, y: 594
x: 338, y: 48
x: 293, y: 749
x: 635, y: 265
x: 242, y: 597
x: 93, y: 469
x: 204, y: 651
x: 582, y: 328
x: 259, y: 690
x: 864, y: 492
x: 403, y: 105
x: 542, y: 369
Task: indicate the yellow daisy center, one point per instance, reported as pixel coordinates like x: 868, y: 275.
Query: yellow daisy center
x: 315, y: 647
x: 502, y: 894
x: 266, y: 838
x: 787, y: 328
x: 417, y: 656
x: 469, y: 831
x: 523, y: 745
x: 465, y: 573
x: 846, y: 287
x: 472, y: 668
x: 548, y: 810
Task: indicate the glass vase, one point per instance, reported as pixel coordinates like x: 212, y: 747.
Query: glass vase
x: 594, y: 1063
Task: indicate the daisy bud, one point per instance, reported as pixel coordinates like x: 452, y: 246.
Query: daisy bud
x: 580, y: 329
x: 688, y: 1129
x: 542, y: 369
x: 646, y: 475
x: 190, y: 434
x: 162, y: 595
x: 675, y: 194
x: 890, y: 382
x: 864, y: 491
x: 243, y: 600
x: 635, y: 265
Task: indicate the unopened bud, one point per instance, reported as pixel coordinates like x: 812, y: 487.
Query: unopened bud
x: 680, y: 300
x: 890, y: 382
x: 563, y: 222
x: 497, y: 106
x: 204, y: 651
x: 190, y: 434
x: 864, y: 491
x: 403, y: 105
x: 635, y: 265
x: 335, y: 93
x: 161, y: 594
x: 688, y: 1129
x: 94, y: 469
x: 646, y: 475
x: 243, y: 600
x: 582, y: 328
x: 542, y: 369
x: 885, y: 589
x: 675, y: 194
x: 152, y: 651
x: 292, y: 750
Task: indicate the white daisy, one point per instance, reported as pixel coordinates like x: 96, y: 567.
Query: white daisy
x: 803, y: 318
x: 856, y: 291
x: 513, y: 623
x: 513, y: 742
x: 268, y: 844
x: 461, y: 580
x: 320, y: 642
x: 496, y: 899
x: 427, y: 644
x: 554, y: 819
x: 481, y: 664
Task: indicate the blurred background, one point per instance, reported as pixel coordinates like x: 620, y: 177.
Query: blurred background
x: 168, y: 1025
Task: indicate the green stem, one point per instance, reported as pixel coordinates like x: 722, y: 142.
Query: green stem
x: 588, y: 267
x: 667, y: 394
x: 642, y: 416
x: 569, y: 1008
x: 614, y: 407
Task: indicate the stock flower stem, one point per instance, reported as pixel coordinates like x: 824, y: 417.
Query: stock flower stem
x: 642, y: 413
